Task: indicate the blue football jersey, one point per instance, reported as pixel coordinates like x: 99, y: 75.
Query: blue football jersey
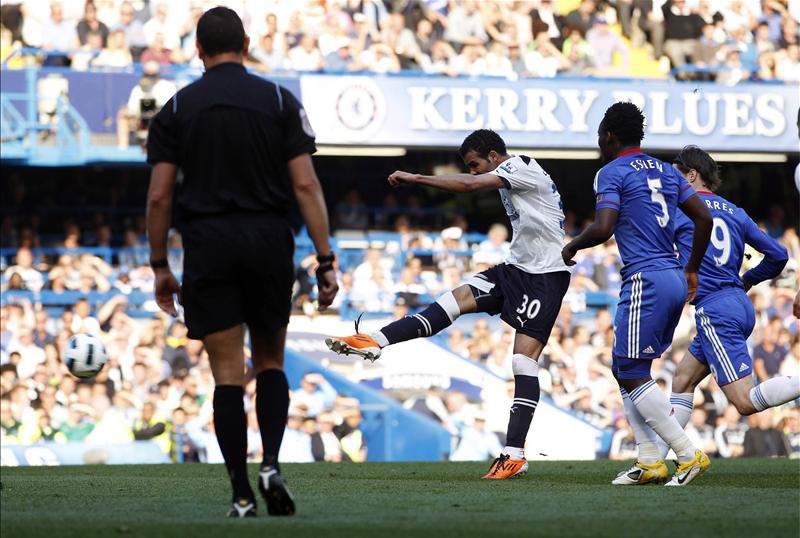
x: 733, y: 228
x: 646, y: 193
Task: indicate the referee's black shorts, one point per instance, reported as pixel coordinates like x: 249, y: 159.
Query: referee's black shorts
x: 237, y: 269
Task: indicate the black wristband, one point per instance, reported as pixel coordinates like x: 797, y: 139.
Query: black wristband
x: 159, y: 264
x: 323, y: 259
x: 323, y: 268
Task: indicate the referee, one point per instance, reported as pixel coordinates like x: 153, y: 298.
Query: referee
x: 243, y: 144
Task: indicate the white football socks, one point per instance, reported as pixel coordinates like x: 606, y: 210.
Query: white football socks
x: 682, y: 405
x: 646, y: 439
x: 515, y: 452
x: 380, y: 338
x: 654, y: 407
x: 775, y: 391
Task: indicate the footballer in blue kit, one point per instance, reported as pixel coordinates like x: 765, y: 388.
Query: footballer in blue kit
x: 637, y: 200
x: 723, y: 312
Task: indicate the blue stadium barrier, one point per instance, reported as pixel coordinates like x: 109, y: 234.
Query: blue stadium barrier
x: 392, y: 432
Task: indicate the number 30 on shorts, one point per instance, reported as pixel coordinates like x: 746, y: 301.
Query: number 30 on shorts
x: 530, y: 309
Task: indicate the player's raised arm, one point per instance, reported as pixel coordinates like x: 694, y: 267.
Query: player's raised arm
x: 448, y: 182
x: 694, y: 208
x: 775, y: 255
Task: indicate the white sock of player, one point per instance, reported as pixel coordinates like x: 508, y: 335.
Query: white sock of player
x: 775, y: 391
x: 514, y: 452
x: 682, y: 404
x: 654, y: 407
x: 646, y: 438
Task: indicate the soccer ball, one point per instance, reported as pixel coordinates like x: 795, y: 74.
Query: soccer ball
x: 85, y: 355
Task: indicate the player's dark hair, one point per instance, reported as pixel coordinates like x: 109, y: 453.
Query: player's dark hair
x: 482, y: 142
x: 694, y: 157
x: 626, y: 122
x: 220, y: 30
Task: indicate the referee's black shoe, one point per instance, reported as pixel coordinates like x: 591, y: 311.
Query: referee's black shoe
x: 272, y: 487
x: 242, y: 507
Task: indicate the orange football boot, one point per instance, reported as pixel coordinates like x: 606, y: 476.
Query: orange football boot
x: 357, y: 344
x: 504, y: 467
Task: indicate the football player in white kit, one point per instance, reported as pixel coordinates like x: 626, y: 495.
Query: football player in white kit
x: 526, y: 290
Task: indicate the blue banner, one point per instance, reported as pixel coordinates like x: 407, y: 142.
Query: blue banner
x: 547, y: 113
x: 76, y: 453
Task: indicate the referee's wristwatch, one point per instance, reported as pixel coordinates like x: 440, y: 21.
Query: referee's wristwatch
x: 159, y: 264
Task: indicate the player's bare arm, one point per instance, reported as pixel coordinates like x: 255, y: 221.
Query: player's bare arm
x: 159, y: 215
x: 459, y: 183
x: 696, y: 210
x: 597, y: 233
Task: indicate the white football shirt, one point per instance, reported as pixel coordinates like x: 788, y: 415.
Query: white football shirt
x: 534, y: 207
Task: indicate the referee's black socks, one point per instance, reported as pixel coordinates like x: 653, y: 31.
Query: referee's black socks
x: 230, y: 425
x: 272, y: 406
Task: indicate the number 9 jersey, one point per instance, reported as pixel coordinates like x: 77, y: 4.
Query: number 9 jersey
x: 719, y: 270
x: 646, y: 192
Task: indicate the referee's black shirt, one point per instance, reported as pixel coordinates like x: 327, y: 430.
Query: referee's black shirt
x: 231, y: 133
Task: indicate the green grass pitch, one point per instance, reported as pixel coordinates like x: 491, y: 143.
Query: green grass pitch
x: 746, y: 497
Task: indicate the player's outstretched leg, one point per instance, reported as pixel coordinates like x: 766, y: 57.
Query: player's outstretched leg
x: 430, y: 321
x: 649, y: 467
x: 512, y: 463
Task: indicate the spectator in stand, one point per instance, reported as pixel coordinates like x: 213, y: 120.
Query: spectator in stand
x: 354, y: 445
x: 623, y: 443
x: 31, y: 278
x: 733, y: 71
x: 296, y: 445
x: 306, y: 56
x: 465, y: 25
x: 682, y: 28
x: 763, y: 440
x: 604, y: 44
x: 380, y: 58
x: 497, y: 63
x: 700, y: 432
x: 85, y: 55
x: 477, y: 444
x: 324, y: 443
x: 90, y: 23
x: 315, y: 394
x: 133, y: 28
x: 581, y: 17
x: 788, y: 67
x: 706, y: 48
x: 768, y: 355
x: 162, y: 24
x: 341, y: 59
x: 729, y: 434
x: 545, y: 60
x: 441, y: 57
x: 116, y: 54
x: 471, y: 61
x: 158, y: 52
x: 424, y: 36
x: 266, y: 56
x: 59, y: 37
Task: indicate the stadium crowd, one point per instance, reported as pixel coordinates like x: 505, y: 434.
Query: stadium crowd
x: 157, y: 382
x: 726, y: 40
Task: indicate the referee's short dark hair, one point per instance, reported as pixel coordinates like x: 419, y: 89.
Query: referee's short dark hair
x: 626, y: 122
x: 220, y: 30
x: 482, y: 142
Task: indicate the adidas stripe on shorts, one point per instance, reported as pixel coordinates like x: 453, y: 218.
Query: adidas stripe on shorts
x: 724, y: 322
x: 649, y: 309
